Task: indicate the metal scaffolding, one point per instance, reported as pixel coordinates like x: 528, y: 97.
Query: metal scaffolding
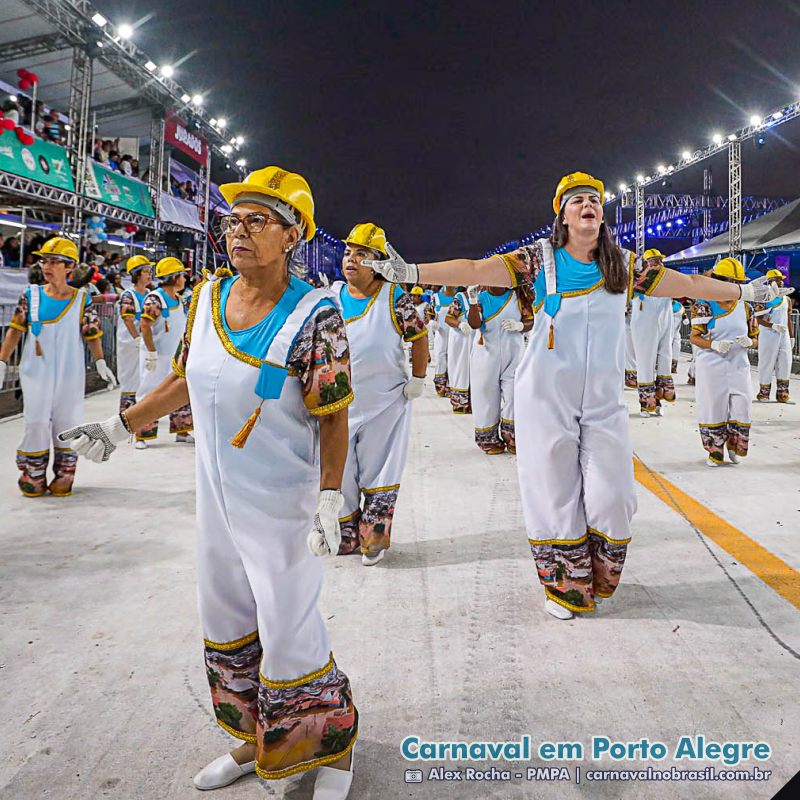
x: 735, y: 198
x: 639, y: 202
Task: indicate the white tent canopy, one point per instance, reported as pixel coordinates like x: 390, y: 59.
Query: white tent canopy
x: 779, y: 228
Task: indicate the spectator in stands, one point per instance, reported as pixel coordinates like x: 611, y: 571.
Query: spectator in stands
x: 125, y: 165
x: 52, y: 127
x: 113, y: 160
x: 11, y: 251
x: 135, y: 167
x: 11, y: 110
x: 35, y: 274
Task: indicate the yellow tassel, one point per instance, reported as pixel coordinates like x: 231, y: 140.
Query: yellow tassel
x: 551, y: 338
x: 241, y: 438
x: 38, y: 348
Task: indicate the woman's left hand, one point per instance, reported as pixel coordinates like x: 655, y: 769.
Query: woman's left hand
x: 325, y: 535
x: 105, y: 373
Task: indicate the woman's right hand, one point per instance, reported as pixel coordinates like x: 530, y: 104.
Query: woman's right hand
x: 96, y: 440
x: 150, y: 360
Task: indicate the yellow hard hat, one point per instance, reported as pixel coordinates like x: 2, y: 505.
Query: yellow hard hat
x: 417, y: 290
x: 653, y: 253
x: 573, y: 181
x: 775, y: 273
x: 169, y: 266
x: 134, y: 262
x: 368, y: 234
x: 59, y: 247
x: 288, y: 187
x: 730, y: 268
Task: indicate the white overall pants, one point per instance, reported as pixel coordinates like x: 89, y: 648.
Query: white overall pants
x: 724, y: 389
x: 630, y: 352
x: 677, y: 319
x: 574, y: 455
x: 652, y: 329
x: 440, y: 348
x: 494, y: 360
x: 775, y: 352
x: 128, y: 356
x: 379, y: 422
x: 167, y: 334
x: 459, y: 348
x: 53, y: 386
x: 267, y: 647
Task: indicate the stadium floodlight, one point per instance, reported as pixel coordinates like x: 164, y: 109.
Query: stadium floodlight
x: 12, y: 98
x: 623, y: 187
x: 242, y: 162
x: 197, y: 99
x: 716, y: 138
x: 755, y: 119
x: 167, y: 70
x: 640, y: 178
x: 125, y: 31
x: 240, y: 140
x: 686, y: 155
x: 99, y: 20
x: 221, y: 123
x: 185, y: 98
x: 661, y: 168
x: 213, y: 120
x: 731, y: 137
x: 226, y: 148
x: 149, y: 66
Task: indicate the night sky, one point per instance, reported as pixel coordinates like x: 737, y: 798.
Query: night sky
x: 449, y: 124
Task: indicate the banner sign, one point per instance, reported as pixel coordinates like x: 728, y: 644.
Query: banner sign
x: 177, y: 134
x: 116, y: 189
x: 41, y: 161
x: 784, y: 264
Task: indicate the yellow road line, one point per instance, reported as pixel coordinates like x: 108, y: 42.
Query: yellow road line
x: 776, y: 573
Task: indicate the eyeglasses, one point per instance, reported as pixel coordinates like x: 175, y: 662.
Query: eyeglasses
x: 253, y: 223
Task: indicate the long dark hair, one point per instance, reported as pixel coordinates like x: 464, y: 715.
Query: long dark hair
x: 607, y: 254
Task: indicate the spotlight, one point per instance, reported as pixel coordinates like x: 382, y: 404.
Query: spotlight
x: 623, y: 187
x: 149, y: 66
x: 99, y: 20
x: 197, y: 99
x: 125, y: 31
x: 221, y: 123
x: 640, y: 178
x: 167, y: 71
x: 731, y: 137
x: 686, y: 155
x: 755, y: 119
x: 185, y: 98
x: 717, y: 139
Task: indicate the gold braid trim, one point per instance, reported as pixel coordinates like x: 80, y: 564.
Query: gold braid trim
x: 606, y: 537
x: 245, y: 737
x: 570, y: 606
x: 380, y: 489
x: 506, y: 259
x: 366, y: 310
x: 332, y: 407
x: 306, y: 765
x: 312, y: 676
x: 234, y: 645
x: 568, y: 542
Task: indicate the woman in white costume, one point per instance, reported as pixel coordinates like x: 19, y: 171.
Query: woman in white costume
x: 573, y: 450
x: 501, y: 316
x: 129, y: 337
x: 52, y: 373
x: 652, y: 331
x: 461, y: 339
x: 722, y: 333
x: 677, y: 321
x: 268, y: 496
x: 162, y: 324
x: 380, y: 317
x: 775, y: 344
x: 437, y: 313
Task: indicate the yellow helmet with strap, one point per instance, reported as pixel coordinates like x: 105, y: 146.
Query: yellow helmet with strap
x: 775, y: 273
x: 730, y: 268
x: 59, y: 247
x: 653, y: 253
x: 136, y: 262
x: 577, y: 180
x: 169, y: 266
x: 368, y: 234
x: 286, y: 187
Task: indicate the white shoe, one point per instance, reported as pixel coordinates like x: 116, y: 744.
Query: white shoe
x: 187, y: 438
x: 332, y: 783
x: 733, y: 457
x: 141, y: 445
x: 660, y: 411
x: 713, y: 463
x: 648, y: 414
x: 556, y: 610
x: 222, y: 771
x: 371, y: 561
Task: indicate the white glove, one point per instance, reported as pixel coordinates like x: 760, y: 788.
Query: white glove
x: 324, y: 280
x: 413, y: 388
x: 721, y: 346
x: 395, y: 268
x: 325, y: 535
x: 96, y: 440
x: 433, y: 325
x: 744, y: 341
x: 791, y: 340
x: 105, y: 373
x: 3, y: 370
x: 778, y: 328
x: 513, y: 325
x: 465, y: 327
x: 472, y: 295
x: 761, y: 291
x: 151, y: 360
x: 137, y: 340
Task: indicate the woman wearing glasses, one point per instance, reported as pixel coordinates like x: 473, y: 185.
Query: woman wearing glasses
x: 573, y: 449
x: 380, y: 317
x: 265, y: 362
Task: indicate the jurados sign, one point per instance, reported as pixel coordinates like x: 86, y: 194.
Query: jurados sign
x: 177, y: 134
